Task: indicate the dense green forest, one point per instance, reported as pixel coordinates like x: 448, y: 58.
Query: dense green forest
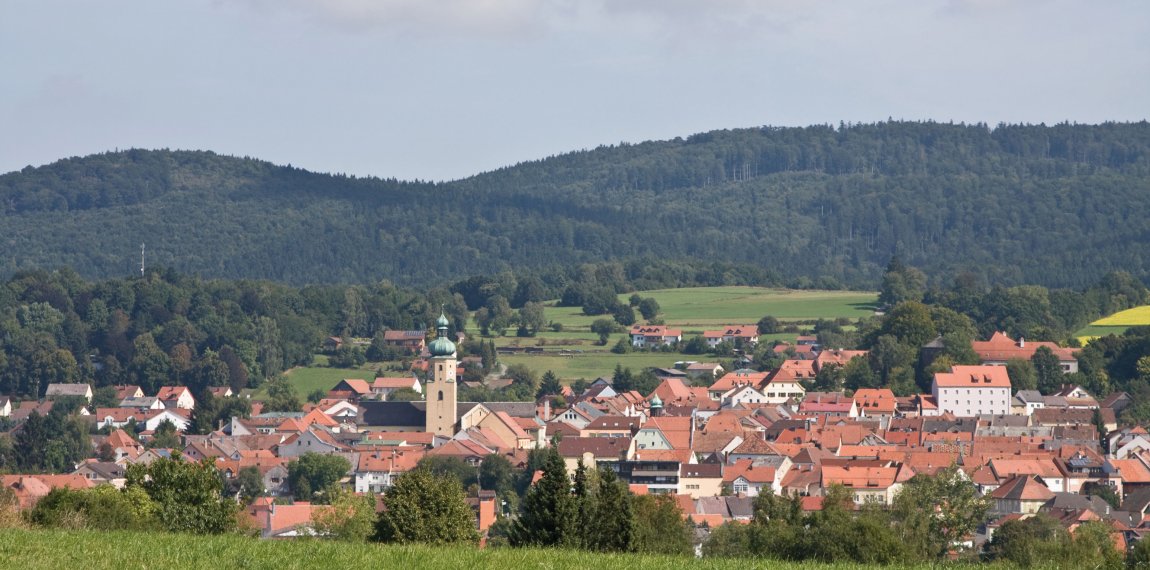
x: 1051, y: 205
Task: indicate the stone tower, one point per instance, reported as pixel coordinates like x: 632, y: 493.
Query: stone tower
x: 441, y: 385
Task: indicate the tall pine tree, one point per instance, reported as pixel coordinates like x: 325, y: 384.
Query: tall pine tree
x: 548, y: 514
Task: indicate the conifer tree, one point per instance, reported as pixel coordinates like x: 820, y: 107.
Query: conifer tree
x: 612, y: 527
x: 548, y: 514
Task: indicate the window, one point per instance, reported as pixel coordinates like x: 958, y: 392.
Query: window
x: 441, y: 395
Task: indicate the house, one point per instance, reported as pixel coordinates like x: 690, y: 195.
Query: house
x: 739, y: 335
x: 1001, y: 349
x: 741, y: 395
x: 703, y: 369
x: 354, y: 388
x: 1026, y: 401
x: 411, y: 342
x: 177, y: 397
x: 376, y: 471
x: 142, y: 403
x: 875, y: 402
x: 751, y: 479
x: 332, y: 344
x: 312, y: 440
x: 659, y: 477
x: 384, y: 386
x: 128, y: 391
x: 869, y: 483
x: 701, y: 480
x: 221, y: 391
x: 646, y: 336
x: 737, y: 378
x: 102, y: 473
x: 5, y: 406
x: 838, y: 357
x: 592, y: 451
x: 29, y: 489
x: 611, y: 426
x: 283, y: 521
x: 1021, y: 494
x: 829, y: 404
x: 69, y: 390
x: 153, y: 419
x: 969, y: 391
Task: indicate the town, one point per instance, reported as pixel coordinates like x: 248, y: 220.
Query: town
x: 709, y: 439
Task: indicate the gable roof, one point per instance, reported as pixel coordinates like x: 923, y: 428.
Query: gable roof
x: 1001, y: 348
x: 1022, y: 488
x: 961, y: 376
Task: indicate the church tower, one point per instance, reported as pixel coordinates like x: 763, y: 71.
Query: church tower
x: 441, y: 385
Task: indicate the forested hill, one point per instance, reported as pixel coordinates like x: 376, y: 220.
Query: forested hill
x: 1057, y: 206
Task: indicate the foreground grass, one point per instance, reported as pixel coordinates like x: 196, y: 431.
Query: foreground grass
x: 53, y: 549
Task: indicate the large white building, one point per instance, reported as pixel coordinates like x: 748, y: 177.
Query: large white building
x: 972, y: 390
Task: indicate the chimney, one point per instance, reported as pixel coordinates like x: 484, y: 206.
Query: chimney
x: 1021, y: 342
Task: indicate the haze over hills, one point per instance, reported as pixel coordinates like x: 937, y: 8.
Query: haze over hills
x: 1057, y: 206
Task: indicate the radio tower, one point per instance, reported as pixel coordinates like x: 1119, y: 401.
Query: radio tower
x: 141, y: 259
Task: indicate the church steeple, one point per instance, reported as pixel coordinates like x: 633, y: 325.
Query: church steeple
x: 441, y: 385
x: 441, y: 346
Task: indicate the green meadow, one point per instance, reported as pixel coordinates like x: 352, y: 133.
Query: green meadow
x: 1115, y: 324
x: 697, y: 308
x: 308, y: 379
x: 91, y: 550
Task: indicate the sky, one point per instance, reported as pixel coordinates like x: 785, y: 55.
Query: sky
x: 444, y: 89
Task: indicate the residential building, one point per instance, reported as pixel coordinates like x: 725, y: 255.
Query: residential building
x: 972, y: 391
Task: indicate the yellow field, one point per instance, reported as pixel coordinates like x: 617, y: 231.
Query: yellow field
x: 1127, y: 318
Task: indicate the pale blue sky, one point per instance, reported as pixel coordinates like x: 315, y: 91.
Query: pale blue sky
x: 441, y: 89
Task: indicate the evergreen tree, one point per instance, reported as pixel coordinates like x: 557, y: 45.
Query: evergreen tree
x: 612, y: 526
x: 548, y: 513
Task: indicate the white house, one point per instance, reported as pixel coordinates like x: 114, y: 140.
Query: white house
x: 643, y: 336
x: 181, y: 396
x: 743, y: 395
x: 5, y: 406
x: 970, y: 391
x: 385, y: 386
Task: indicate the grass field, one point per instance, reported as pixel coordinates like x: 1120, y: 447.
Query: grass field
x: 44, y: 550
x: 1127, y: 318
x: 307, y: 379
x: 593, y: 365
x: 702, y: 307
x: 1115, y: 324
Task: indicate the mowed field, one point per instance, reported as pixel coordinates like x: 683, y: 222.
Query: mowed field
x: 308, y: 379
x: 697, y: 308
x: 90, y: 550
x: 1115, y: 324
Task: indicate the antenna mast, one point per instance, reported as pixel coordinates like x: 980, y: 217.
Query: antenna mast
x: 141, y: 259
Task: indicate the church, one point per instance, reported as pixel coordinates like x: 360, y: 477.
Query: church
x: 443, y: 415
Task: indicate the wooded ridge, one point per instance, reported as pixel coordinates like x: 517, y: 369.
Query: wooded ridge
x: 1051, y: 205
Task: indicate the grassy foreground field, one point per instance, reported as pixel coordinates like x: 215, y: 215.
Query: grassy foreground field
x: 44, y: 549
